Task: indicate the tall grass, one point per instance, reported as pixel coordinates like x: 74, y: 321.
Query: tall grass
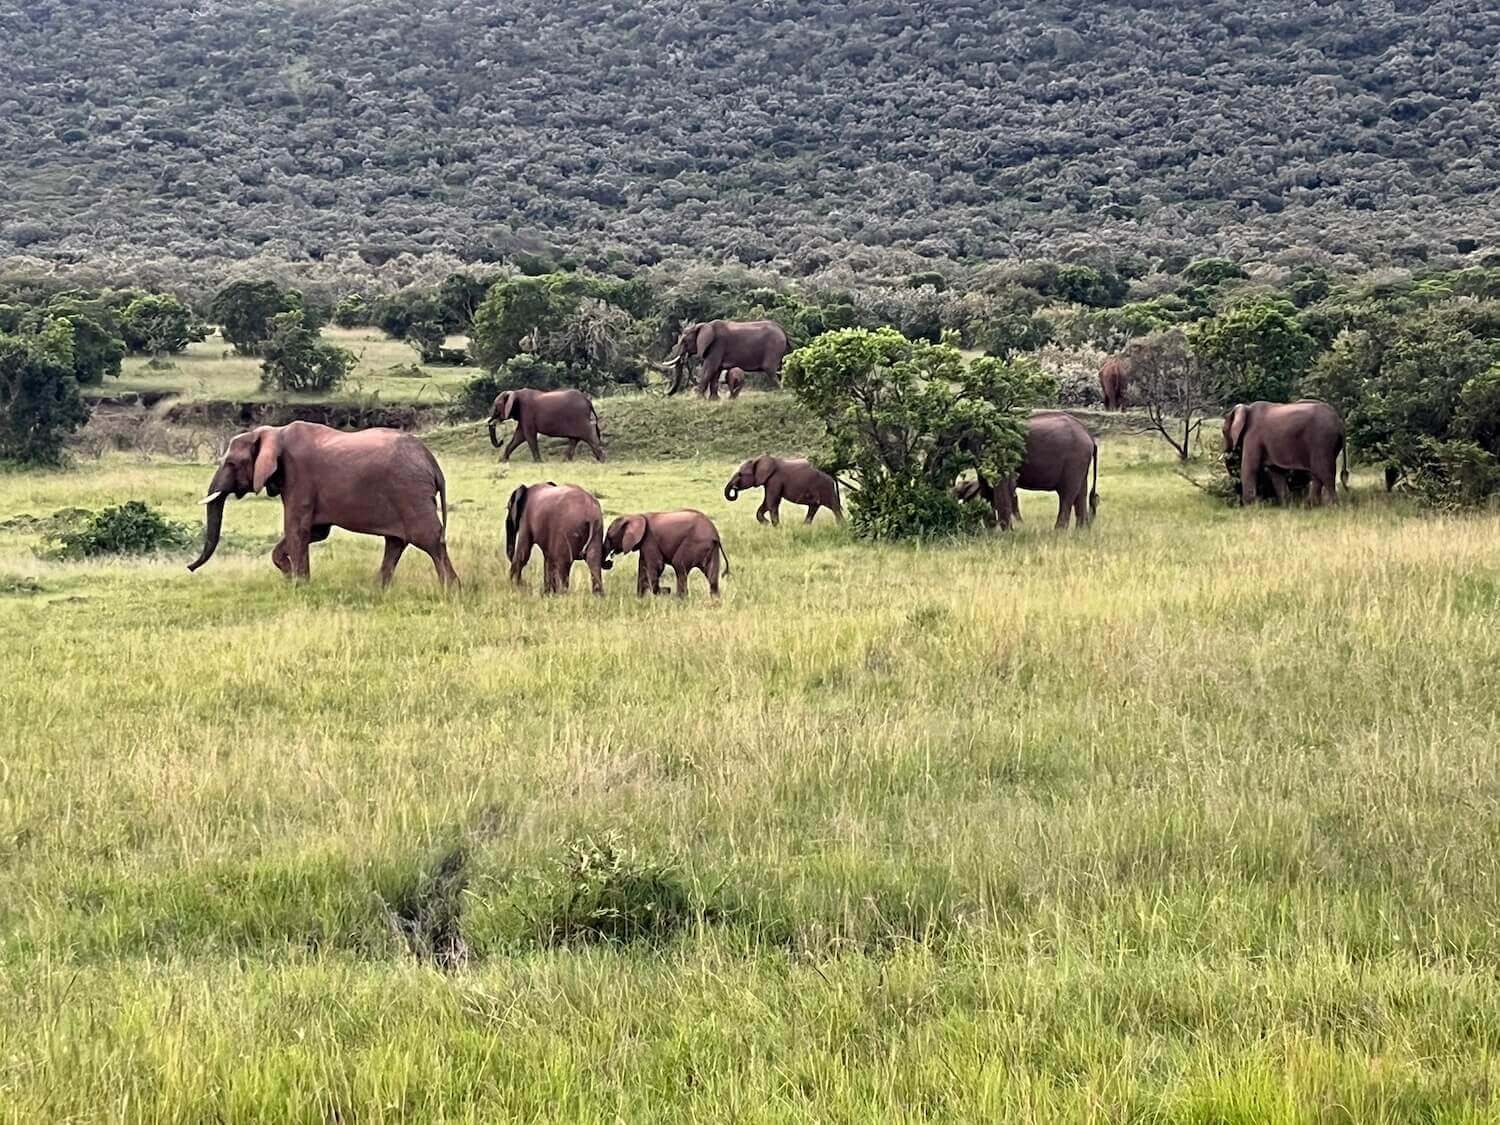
x: 1189, y: 818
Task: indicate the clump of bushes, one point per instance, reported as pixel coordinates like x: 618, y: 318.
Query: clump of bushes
x: 297, y: 360
x: 132, y: 528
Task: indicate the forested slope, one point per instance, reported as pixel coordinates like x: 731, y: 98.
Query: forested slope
x: 793, y: 131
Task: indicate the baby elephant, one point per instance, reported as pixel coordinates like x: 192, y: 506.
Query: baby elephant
x: 682, y: 540
x: 566, y: 522
x: 735, y: 377
x: 791, y: 479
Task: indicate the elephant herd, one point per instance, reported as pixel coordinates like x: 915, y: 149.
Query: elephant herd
x: 387, y: 483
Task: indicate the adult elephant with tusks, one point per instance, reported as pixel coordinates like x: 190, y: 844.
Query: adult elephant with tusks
x: 566, y: 414
x: 752, y: 345
x: 374, y: 482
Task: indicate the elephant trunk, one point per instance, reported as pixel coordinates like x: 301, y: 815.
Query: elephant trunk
x: 494, y: 438
x: 731, y: 493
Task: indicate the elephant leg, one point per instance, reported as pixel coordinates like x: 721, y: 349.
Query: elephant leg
x: 393, y: 549
x: 594, y: 557
x: 1064, y: 508
x: 521, y: 555
x: 515, y: 441
x: 773, y: 505
x: 1279, y: 485
x: 296, y: 531
x: 438, y: 553
x: 680, y: 573
x: 596, y: 446
x: 1325, y: 481
x: 282, y: 560
x: 642, y: 579
x: 812, y: 510
x: 1081, y: 515
x: 1249, y: 472
x: 536, y: 453
x: 711, y: 572
x: 572, y: 449
x: 761, y: 512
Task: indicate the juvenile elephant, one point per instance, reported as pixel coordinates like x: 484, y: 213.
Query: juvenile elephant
x: 683, y: 540
x: 1283, y: 437
x: 1114, y: 381
x: 565, y: 521
x: 734, y: 379
x: 565, y: 414
x: 751, y: 345
x: 793, y: 479
x: 374, y: 482
x: 1058, y: 454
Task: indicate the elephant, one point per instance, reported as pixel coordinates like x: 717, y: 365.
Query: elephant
x: 564, y: 414
x: 1284, y: 437
x: 565, y: 521
x: 734, y: 378
x: 793, y: 479
x: 682, y: 540
x: 1058, y: 454
x: 751, y: 345
x: 1114, y: 381
x: 373, y: 482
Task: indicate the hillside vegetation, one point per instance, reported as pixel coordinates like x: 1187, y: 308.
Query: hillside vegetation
x: 795, y: 132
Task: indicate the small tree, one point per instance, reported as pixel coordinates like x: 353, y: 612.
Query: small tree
x: 1256, y: 351
x: 296, y: 360
x: 905, y: 418
x: 40, y: 404
x: 428, y: 338
x: 1170, y: 385
x: 160, y: 324
x: 245, y: 310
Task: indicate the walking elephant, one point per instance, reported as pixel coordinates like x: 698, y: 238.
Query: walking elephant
x: 751, y: 345
x: 374, y: 482
x: 563, y: 414
x: 684, y: 540
x: 565, y: 521
x: 793, y: 479
x: 1285, y: 437
x: 1058, y: 455
x: 1114, y: 381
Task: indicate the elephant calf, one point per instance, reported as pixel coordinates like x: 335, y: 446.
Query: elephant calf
x: 683, y: 540
x: 735, y: 379
x: 794, y: 479
x: 565, y: 521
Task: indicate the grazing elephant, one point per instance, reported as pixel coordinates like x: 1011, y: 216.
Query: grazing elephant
x: 1114, y: 381
x: 793, y: 479
x: 751, y: 345
x: 1283, y: 437
x: 682, y: 540
x: 374, y: 482
x: 565, y: 414
x: 1059, y: 452
x: 565, y: 521
x: 734, y: 378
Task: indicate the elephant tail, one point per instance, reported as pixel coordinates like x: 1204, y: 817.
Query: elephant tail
x: 1344, y: 472
x: 442, y: 495
x: 726, y: 558
x: 1094, y: 491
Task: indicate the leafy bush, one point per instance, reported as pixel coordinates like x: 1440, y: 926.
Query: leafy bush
x: 159, y: 324
x: 296, y: 360
x: 40, y: 403
x: 1255, y: 351
x: 352, y: 311
x: 906, y: 417
x: 602, y: 891
x: 246, y: 311
x: 97, y: 348
x: 428, y: 338
x: 477, y: 397
x: 1450, y: 475
x: 1212, y: 271
x: 132, y: 528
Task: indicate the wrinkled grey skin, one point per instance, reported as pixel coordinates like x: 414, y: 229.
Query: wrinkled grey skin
x: 374, y: 482
x: 1282, y: 437
x: 786, y: 478
x: 685, y: 540
x: 565, y: 521
x: 1059, y: 453
x: 751, y: 345
x: 564, y: 414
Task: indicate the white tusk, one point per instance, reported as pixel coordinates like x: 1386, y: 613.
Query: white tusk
x: 210, y: 498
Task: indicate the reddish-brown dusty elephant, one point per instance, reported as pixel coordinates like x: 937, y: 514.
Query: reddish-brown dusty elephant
x: 684, y: 540
x: 374, y: 482
x: 786, y: 478
x: 1284, y: 437
x: 565, y: 521
x: 752, y: 345
x: 1059, y: 452
x: 564, y: 414
x: 1114, y: 381
x: 734, y: 379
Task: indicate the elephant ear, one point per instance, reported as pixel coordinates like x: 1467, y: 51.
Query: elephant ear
x: 513, y: 511
x: 633, y: 533
x: 706, y: 334
x: 765, y: 465
x: 267, y: 456
x: 507, y: 406
x: 967, y: 489
x: 1239, y: 418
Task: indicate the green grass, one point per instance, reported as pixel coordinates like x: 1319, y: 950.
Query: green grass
x: 211, y: 371
x: 1192, y: 818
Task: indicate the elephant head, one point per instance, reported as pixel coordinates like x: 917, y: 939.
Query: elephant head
x: 966, y: 490
x: 624, y: 536
x: 514, y: 510
x: 252, y: 463
x: 506, y: 407
x: 693, y: 343
x: 752, y: 474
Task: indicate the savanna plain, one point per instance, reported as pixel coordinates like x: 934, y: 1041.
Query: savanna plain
x: 1191, y: 817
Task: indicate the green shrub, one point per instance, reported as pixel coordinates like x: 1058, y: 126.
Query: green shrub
x: 1450, y: 475
x: 40, y: 402
x: 296, y: 360
x: 352, y: 311
x: 132, y: 528
x: 1212, y: 271
x: 247, y: 310
x: 1255, y: 351
x: 159, y: 324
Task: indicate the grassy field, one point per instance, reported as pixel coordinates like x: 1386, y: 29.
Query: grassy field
x: 212, y: 371
x: 1192, y: 818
